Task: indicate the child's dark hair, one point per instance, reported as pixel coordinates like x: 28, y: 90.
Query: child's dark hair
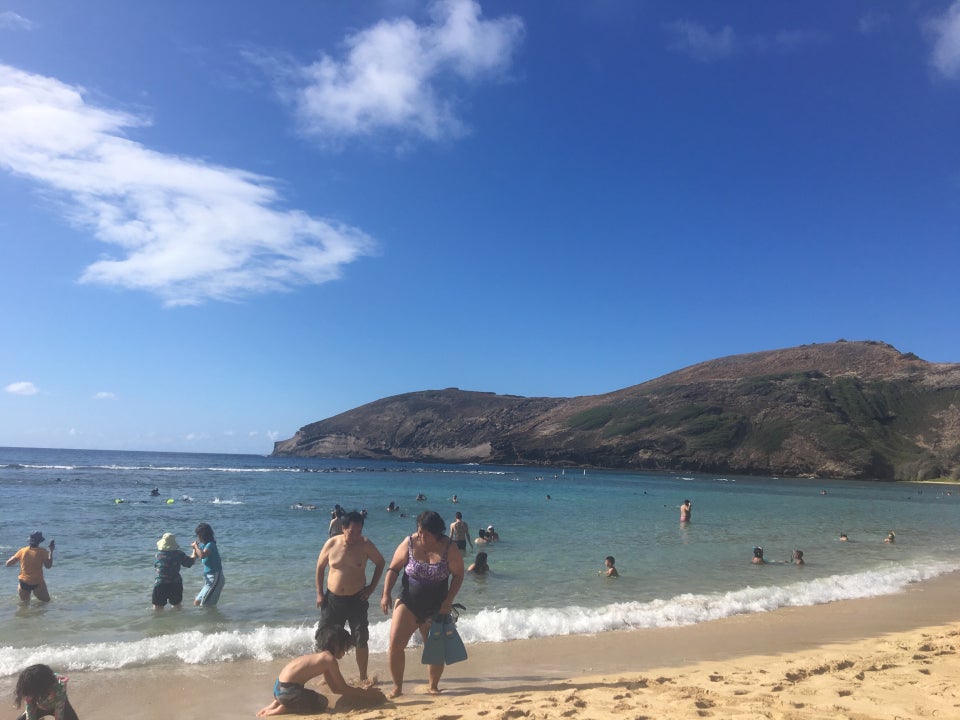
x: 332, y: 639
x: 34, y: 682
x: 609, y: 559
x: 205, y: 533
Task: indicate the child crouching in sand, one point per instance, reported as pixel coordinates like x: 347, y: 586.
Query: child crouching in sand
x: 45, y: 694
x: 289, y: 693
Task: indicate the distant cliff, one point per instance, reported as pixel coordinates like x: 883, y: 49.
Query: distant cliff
x: 843, y: 409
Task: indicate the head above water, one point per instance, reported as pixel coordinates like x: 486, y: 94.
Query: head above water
x: 35, y: 538
x: 204, y: 533
x: 758, y: 552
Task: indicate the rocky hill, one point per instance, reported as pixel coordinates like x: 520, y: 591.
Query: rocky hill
x: 843, y: 409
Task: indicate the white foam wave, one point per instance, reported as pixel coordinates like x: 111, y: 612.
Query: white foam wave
x: 485, y: 625
x: 285, y: 469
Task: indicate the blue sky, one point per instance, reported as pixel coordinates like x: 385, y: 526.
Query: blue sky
x: 221, y: 221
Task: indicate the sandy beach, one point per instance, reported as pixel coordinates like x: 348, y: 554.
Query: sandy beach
x: 888, y: 657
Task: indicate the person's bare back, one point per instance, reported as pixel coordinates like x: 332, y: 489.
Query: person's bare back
x: 290, y: 695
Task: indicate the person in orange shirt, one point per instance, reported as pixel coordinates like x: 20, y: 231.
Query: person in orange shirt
x: 33, y: 559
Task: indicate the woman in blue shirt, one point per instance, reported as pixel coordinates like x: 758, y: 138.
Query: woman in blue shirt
x: 205, y: 548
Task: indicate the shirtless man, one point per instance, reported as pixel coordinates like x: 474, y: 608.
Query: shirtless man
x: 460, y: 533
x: 345, y: 599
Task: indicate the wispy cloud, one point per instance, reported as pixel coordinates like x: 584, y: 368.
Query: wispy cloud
x: 104, y: 396
x: 22, y: 388
x: 700, y: 43
x: 394, y: 75
x: 790, y: 40
x: 872, y: 21
x: 10, y: 20
x: 185, y: 230
x: 706, y: 45
x: 945, y: 31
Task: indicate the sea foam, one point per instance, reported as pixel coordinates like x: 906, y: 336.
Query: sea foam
x: 486, y: 625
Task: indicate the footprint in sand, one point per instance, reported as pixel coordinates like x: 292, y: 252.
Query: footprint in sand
x: 514, y: 713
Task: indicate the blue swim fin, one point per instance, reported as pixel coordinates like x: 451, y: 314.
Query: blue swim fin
x: 433, y: 645
x: 453, y: 649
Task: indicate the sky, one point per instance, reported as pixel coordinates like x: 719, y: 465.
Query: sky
x: 222, y: 221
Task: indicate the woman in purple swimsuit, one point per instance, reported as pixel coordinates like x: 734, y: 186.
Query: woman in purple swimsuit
x: 430, y: 567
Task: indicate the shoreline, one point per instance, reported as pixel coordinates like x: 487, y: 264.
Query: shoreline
x: 503, y: 677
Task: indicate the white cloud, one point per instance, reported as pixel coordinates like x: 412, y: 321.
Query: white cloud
x: 945, y: 30
x: 22, y: 388
x: 185, y: 230
x: 12, y: 21
x: 104, y: 396
x: 698, y: 42
x: 393, y: 74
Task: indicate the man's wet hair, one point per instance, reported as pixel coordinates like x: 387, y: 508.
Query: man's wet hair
x: 350, y: 518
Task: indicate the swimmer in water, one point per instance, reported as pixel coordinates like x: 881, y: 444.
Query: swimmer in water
x: 610, y: 571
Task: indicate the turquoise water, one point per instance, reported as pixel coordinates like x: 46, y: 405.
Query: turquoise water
x: 544, y: 570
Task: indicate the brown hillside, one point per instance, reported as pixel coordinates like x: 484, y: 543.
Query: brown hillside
x: 844, y: 409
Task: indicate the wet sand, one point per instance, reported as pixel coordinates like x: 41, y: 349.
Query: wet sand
x: 888, y: 657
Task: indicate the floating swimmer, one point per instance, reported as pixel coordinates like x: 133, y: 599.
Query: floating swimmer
x: 119, y: 500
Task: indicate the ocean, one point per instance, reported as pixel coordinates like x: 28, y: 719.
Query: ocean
x: 555, y: 526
